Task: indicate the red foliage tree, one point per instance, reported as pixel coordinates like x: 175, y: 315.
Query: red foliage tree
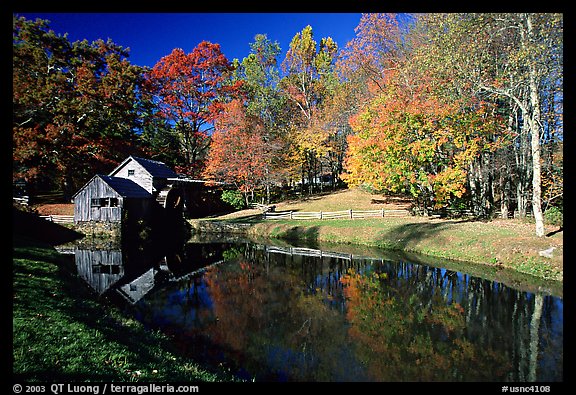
x: 190, y: 91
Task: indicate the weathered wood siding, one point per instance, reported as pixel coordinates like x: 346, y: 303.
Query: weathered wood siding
x: 85, y: 211
x: 100, y: 268
x: 134, y: 171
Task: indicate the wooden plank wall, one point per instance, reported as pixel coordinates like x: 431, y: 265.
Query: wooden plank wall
x: 140, y: 176
x: 83, y: 210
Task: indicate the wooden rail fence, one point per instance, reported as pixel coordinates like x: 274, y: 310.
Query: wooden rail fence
x: 59, y: 219
x: 21, y: 200
x: 345, y: 214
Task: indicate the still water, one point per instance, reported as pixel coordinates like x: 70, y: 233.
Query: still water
x: 271, y: 313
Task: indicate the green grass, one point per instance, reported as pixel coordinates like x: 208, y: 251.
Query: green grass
x: 62, y: 333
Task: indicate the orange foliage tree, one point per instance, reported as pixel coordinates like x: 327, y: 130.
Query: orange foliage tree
x: 240, y: 151
x: 409, y: 139
x: 190, y: 91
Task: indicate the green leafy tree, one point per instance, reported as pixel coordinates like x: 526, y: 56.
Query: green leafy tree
x: 261, y: 76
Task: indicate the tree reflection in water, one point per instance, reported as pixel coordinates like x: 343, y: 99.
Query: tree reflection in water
x: 406, y: 336
x: 301, y: 318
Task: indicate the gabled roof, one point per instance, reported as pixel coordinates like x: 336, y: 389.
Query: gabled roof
x: 123, y: 187
x: 155, y: 168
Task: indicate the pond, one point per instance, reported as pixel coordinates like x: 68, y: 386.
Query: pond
x: 293, y: 313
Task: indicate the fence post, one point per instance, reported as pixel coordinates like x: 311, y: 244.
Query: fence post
x: 350, y: 213
x: 321, y: 215
x: 382, y: 213
x: 290, y: 214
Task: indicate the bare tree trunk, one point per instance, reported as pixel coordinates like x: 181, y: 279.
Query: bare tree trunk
x: 504, y: 195
x: 523, y: 171
x: 535, y: 142
x: 486, y: 187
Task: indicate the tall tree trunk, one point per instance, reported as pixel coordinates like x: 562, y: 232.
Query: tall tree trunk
x: 487, y: 188
x: 504, y: 194
x: 535, y: 141
x: 472, y: 187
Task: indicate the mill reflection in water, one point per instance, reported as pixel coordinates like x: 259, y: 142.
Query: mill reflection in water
x: 274, y: 313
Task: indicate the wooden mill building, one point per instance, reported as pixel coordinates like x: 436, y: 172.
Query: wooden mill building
x: 135, y: 189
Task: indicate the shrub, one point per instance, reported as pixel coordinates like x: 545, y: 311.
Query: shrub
x: 233, y: 198
x: 554, y: 216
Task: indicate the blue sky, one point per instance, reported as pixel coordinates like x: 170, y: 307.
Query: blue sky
x: 150, y: 36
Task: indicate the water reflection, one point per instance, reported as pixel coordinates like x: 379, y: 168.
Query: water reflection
x: 132, y: 271
x: 297, y: 314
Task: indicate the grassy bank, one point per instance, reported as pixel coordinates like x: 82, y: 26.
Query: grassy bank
x: 502, y: 243
x: 489, y: 243
x: 62, y: 333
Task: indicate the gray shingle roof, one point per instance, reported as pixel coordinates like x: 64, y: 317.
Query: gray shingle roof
x: 125, y: 187
x: 156, y: 168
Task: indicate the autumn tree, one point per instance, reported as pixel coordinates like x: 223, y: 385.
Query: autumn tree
x: 190, y: 91
x: 309, y: 80
x: 411, y: 135
x: 378, y: 48
x: 74, y: 106
x: 418, y: 144
x: 260, y: 77
x: 514, y: 59
x: 239, y: 152
x: 493, y: 70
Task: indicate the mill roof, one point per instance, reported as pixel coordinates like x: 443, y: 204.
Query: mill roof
x: 155, y: 168
x: 123, y: 186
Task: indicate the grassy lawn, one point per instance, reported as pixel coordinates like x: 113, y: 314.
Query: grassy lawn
x: 501, y: 243
x: 62, y: 333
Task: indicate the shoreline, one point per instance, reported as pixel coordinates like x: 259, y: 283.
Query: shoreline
x: 473, y: 242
